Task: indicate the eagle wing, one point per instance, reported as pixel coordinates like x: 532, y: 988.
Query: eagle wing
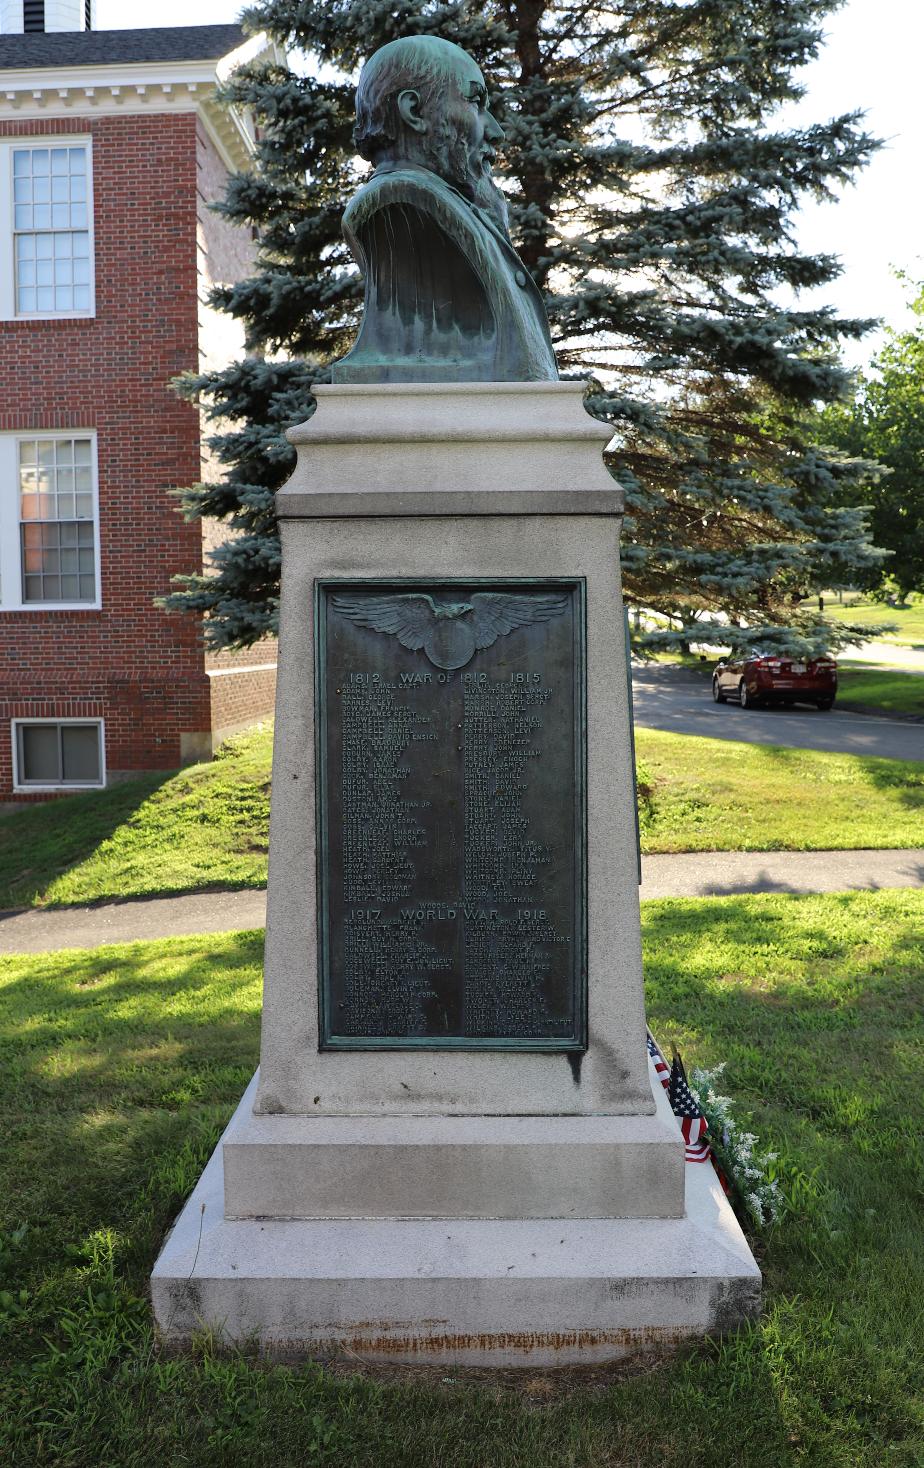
x: 495, y: 613
x: 409, y: 616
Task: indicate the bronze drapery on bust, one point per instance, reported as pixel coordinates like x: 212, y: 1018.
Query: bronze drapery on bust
x: 447, y: 298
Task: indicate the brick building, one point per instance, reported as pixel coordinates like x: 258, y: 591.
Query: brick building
x: 111, y: 148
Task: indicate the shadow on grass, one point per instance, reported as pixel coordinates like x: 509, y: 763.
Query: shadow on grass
x: 685, y: 929
x: 803, y: 997
x: 41, y: 842
x: 116, y: 1062
x: 188, y: 985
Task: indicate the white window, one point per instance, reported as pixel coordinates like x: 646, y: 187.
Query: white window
x: 49, y: 522
x: 46, y: 238
x: 51, y: 754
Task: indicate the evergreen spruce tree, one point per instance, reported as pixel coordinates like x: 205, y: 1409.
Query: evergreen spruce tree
x: 652, y: 197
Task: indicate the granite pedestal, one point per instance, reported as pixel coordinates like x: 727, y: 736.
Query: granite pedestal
x: 506, y: 1205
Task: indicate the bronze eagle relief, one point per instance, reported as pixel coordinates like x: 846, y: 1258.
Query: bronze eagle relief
x: 449, y: 632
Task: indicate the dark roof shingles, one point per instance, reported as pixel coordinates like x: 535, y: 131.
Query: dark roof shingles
x: 104, y: 48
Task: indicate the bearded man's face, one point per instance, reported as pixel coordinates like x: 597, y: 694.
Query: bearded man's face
x: 461, y: 141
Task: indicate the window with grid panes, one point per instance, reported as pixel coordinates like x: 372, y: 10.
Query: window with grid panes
x: 57, y: 525
x: 51, y: 229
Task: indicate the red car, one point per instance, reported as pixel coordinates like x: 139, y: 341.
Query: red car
x: 763, y: 678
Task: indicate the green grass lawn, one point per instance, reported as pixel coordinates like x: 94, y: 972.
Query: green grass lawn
x: 716, y: 795
x: 907, y: 622
x: 206, y: 827
x: 882, y: 689
x: 121, y: 1066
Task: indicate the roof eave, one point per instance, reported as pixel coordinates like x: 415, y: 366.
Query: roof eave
x: 165, y: 86
x: 213, y: 69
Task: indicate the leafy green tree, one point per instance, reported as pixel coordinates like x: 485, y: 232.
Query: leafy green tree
x: 885, y: 423
x: 651, y: 194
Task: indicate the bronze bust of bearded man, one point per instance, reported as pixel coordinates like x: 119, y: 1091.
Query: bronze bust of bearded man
x: 447, y: 297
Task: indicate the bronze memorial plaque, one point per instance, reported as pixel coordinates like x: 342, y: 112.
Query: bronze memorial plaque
x: 451, y: 800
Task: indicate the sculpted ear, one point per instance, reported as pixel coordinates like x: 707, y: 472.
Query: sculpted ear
x: 408, y: 103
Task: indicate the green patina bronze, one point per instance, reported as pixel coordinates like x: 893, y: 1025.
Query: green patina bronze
x: 447, y: 297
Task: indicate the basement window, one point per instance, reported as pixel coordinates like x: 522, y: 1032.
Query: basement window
x: 53, y: 754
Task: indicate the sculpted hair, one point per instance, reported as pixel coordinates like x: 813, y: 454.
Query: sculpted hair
x: 421, y: 64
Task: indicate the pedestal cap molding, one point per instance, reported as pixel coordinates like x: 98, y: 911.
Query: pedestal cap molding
x: 433, y: 448
x: 450, y: 412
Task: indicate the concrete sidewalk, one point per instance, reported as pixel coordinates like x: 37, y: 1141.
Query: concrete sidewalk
x: 691, y: 874
x: 37, y: 931
x: 718, y: 873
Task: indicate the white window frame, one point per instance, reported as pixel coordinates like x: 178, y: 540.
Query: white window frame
x: 8, y: 310
x: 32, y: 787
x: 11, y: 599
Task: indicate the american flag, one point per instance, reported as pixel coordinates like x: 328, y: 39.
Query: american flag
x: 684, y: 1105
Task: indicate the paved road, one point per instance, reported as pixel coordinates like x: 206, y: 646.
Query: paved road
x: 681, y: 703
x: 691, y: 874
